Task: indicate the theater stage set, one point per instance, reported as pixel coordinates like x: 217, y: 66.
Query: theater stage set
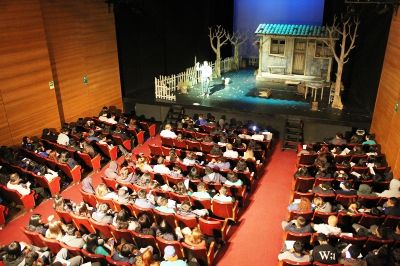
x: 245, y: 98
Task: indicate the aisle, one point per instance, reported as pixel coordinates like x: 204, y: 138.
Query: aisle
x: 259, y: 237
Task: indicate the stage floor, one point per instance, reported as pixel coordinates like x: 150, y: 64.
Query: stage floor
x: 241, y: 94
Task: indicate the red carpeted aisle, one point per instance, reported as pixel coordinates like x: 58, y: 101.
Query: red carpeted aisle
x: 259, y: 237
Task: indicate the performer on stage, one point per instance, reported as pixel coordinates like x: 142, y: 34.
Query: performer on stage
x: 206, y: 72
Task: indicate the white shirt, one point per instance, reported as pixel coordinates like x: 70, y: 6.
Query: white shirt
x: 238, y: 183
x: 21, y: 190
x: 231, y: 154
x: 326, y: 229
x: 161, y: 169
x: 166, y: 133
x: 63, y: 139
x: 111, y: 121
x: 206, y: 71
x: 222, y: 198
x: 103, y: 118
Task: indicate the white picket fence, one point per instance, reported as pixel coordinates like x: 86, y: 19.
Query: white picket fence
x: 166, y: 87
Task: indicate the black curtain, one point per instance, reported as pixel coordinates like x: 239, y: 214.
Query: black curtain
x: 362, y: 73
x: 158, y: 37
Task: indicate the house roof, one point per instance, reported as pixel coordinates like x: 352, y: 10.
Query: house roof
x: 292, y: 30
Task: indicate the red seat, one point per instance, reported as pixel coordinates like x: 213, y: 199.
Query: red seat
x: 53, y: 245
x: 193, y: 145
x: 53, y: 186
x: 298, y: 195
x: 180, y: 144
x: 346, y: 200
x: 120, y: 234
x: 304, y: 183
x: 322, y: 217
x: 142, y: 240
x: 206, y: 147
x: 368, y: 220
x: 152, y: 130
x: 168, y: 217
x: 290, y: 263
x: 226, y: 210
x: 346, y: 219
x: 139, y: 137
x: 110, y: 153
x: 375, y: 243
x: 74, y: 251
x: 89, y: 162
x: 203, y: 255
x: 172, y: 180
x: 368, y: 201
x: 169, y: 142
x: 127, y: 144
x: 391, y: 221
x: 82, y: 223
x: 306, y: 160
x: 199, y: 203
x: 360, y: 169
x: 178, y: 197
x: 74, y: 174
x: 359, y: 241
x: 162, y: 243
x: 214, y: 227
x: 155, y: 149
x: 306, y: 214
x: 102, y: 229
x: 28, y: 201
x: 186, y: 221
x: 110, y: 203
x: 88, y: 198
x: 64, y: 216
x: 110, y: 183
x: 136, y: 210
x: 356, y: 158
x: 165, y: 150
x: 3, y: 214
x: 340, y: 158
x: 34, y: 237
x: 110, y: 261
x: 303, y: 237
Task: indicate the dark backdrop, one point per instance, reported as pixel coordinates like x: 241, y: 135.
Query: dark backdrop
x: 159, y: 37
x: 362, y: 73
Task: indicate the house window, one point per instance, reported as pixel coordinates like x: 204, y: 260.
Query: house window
x: 277, y: 46
x: 322, y: 50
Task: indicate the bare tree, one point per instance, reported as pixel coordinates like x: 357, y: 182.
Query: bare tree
x: 236, y: 39
x: 335, y: 31
x: 220, y: 35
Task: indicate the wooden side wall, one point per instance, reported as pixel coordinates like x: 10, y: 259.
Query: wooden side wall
x: 386, y: 120
x: 58, y: 40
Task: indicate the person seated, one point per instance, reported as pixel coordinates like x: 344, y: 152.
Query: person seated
x: 222, y: 163
x: 299, y: 225
x: 36, y: 225
x: 95, y: 245
x: 63, y: 138
x: 66, y: 159
x: 213, y: 177
x: 330, y: 228
x: 300, y: 205
x: 369, y: 140
x: 192, y: 237
x: 190, y: 159
x: 16, y: 184
x: 394, y: 234
x: 126, y: 177
x: 193, y: 174
x: 20, y: 253
x: 297, y: 253
x: 123, y: 220
x: 180, y: 188
x: 321, y: 206
x: 393, y: 191
x: 378, y: 257
x: 87, y: 185
x: 61, y: 204
x: 92, y: 137
x: 230, y: 153
x: 241, y: 166
x: 145, y: 226
x: 123, y: 196
x: 88, y: 149
x: 142, y: 201
x: 111, y: 119
x: 346, y: 189
x: 103, y: 214
x: 170, y: 257
x: 102, y: 191
x: 103, y: 117
x: 160, y: 167
x: 233, y: 180
x: 112, y: 170
x: 167, y: 132
x: 143, y: 165
x: 72, y: 237
x: 105, y: 141
x: 201, y: 192
x: 222, y: 195
x: 338, y: 140
x: 357, y: 150
x: 165, y: 231
x: 125, y: 252
x: 324, y: 252
x: 323, y: 188
x: 352, y: 256
x: 216, y: 150
x: 55, y: 229
x: 144, y: 180
x: 172, y: 157
x: 323, y: 172
x: 374, y: 230
x: 392, y: 207
x: 163, y: 205
x: 82, y: 209
x: 201, y: 121
x: 185, y: 209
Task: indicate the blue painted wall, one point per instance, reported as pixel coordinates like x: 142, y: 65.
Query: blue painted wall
x: 248, y: 14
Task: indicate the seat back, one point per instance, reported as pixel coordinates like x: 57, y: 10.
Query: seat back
x: 226, y: 210
x: 109, y: 153
x: 162, y: 243
x: 186, y: 221
x: 102, y: 229
x: 180, y: 144
x: 213, y: 227
x: 168, y: 217
x: 368, y: 220
x: 306, y: 159
x: 290, y: 263
x: 306, y: 214
x: 368, y: 201
x: 88, y: 198
x: 110, y: 183
x: 120, y: 234
x: 203, y: 256
x: 193, y: 145
x: 359, y: 241
x: 391, y: 221
x: 155, y: 149
x: 375, y: 243
x: 110, y: 261
x: 346, y: 200
x: 144, y: 240
x: 303, y: 237
x: 28, y: 201
x: 206, y: 147
x: 304, y: 183
x: 74, y: 174
x: 53, y: 245
x: 82, y: 223
x: 199, y: 203
x: 34, y: 237
x: 169, y: 142
x: 64, y: 216
x: 93, y: 257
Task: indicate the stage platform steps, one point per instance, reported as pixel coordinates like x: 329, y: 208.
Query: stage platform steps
x: 293, y: 134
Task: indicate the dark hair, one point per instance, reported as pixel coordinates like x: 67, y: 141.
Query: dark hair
x: 354, y: 251
x: 91, y: 243
x: 144, y: 220
x: 34, y: 221
x: 126, y: 250
x: 13, y: 251
x: 164, y: 227
x: 298, y: 247
x: 395, y: 201
x: 322, y: 237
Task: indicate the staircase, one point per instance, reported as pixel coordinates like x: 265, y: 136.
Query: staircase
x: 174, y: 114
x: 293, y: 135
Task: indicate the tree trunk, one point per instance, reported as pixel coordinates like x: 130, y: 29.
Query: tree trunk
x: 337, y: 99
x: 218, y: 64
x: 236, y: 57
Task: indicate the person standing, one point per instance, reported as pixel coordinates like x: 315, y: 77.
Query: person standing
x: 206, y: 72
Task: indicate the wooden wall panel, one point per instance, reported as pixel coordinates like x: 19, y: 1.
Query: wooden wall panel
x: 25, y: 70
x: 5, y: 134
x: 386, y: 121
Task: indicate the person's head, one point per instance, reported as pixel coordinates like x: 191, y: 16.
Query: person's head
x: 103, y: 208
x: 393, y: 202
x: 193, y: 173
x: 196, y: 236
x: 70, y: 229
x: 300, y: 221
x: 232, y: 176
x: 122, y: 216
x: 81, y: 208
x: 332, y: 220
x: 354, y: 251
x: 126, y: 250
x: 101, y: 190
x: 185, y: 206
x: 168, y: 127
x: 169, y: 253
x: 13, y: 250
x: 147, y: 255
x: 396, y: 256
x: 229, y: 147
x: 35, y: 220
x: 141, y: 194
x: 160, y: 160
x: 345, y: 185
x: 144, y: 220
x: 318, y: 201
x: 58, y: 203
x: 123, y: 192
x: 223, y: 191
x: 322, y: 238
x: 162, y: 201
x: 339, y: 135
x: 14, y: 178
x: 305, y: 204
x: 92, y: 242
x: 26, y: 140
x: 55, y: 228
x: 241, y: 165
x: 208, y: 170
x: 201, y: 187
x: 164, y: 227
x: 298, y: 247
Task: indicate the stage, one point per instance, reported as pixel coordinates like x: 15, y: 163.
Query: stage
x: 240, y: 98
